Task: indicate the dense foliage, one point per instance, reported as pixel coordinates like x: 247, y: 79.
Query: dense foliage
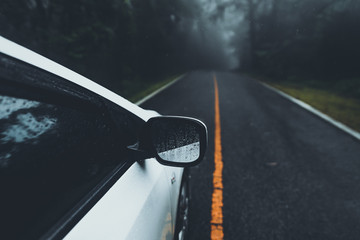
x: 121, y: 43
x: 111, y: 41
x: 318, y: 39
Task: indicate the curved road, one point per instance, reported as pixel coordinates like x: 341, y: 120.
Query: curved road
x: 286, y: 173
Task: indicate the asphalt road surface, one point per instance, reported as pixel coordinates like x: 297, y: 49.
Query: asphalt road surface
x: 287, y: 174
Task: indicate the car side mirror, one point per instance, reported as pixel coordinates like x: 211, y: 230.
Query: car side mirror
x: 173, y: 141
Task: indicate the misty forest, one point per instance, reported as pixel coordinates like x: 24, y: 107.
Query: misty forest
x: 125, y: 44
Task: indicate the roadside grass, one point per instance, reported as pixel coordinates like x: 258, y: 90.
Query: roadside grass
x: 343, y: 109
x: 138, y: 90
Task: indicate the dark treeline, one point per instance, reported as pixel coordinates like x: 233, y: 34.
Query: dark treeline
x: 302, y: 39
x: 117, y: 43
x: 123, y: 43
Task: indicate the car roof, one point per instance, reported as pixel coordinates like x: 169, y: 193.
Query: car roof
x: 21, y: 53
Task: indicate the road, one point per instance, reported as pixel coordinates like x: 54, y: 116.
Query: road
x: 287, y: 174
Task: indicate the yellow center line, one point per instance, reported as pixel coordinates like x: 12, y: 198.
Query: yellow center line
x: 217, y: 196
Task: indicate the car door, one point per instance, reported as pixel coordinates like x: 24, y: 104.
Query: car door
x: 64, y: 164
x: 174, y: 176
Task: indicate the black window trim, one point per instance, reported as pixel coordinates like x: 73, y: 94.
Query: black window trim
x: 67, y: 222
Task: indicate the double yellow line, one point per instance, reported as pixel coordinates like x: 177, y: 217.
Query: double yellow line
x: 217, y: 196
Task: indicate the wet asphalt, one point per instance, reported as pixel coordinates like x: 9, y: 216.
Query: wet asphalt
x: 287, y: 173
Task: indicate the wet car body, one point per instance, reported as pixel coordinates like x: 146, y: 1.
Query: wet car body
x: 65, y: 164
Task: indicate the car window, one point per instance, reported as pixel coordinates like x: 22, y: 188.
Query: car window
x: 59, y: 149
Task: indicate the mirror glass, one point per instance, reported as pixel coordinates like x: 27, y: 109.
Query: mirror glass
x: 176, y: 139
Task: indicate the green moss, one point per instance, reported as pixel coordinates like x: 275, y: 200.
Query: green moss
x: 343, y: 109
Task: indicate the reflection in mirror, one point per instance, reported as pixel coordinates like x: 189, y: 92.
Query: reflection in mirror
x: 177, y: 140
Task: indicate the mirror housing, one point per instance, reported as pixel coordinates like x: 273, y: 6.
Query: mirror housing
x: 173, y: 141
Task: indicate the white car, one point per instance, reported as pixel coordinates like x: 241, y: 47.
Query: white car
x: 78, y: 161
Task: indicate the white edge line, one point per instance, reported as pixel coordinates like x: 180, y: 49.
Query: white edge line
x: 159, y: 90
x: 306, y: 106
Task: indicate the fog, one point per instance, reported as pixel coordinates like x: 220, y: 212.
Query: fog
x: 281, y: 38
x: 211, y: 33
x: 126, y: 44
